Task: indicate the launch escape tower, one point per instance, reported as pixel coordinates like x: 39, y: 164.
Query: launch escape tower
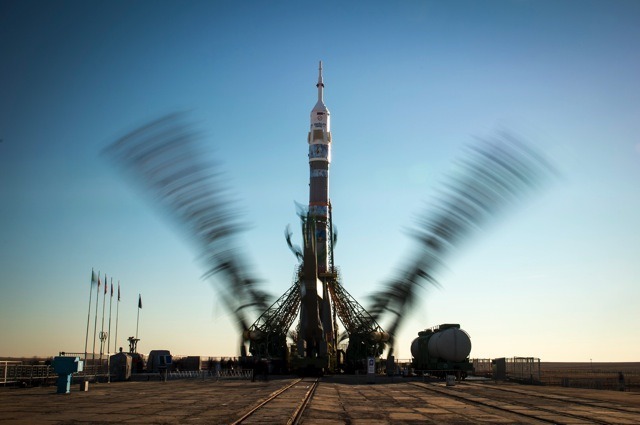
x: 316, y: 293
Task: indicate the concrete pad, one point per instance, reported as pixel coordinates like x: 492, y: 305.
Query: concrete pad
x: 209, y: 402
x: 407, y: 417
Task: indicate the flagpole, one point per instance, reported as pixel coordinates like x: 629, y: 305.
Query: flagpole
x: 95, y: 325
x: 104, y: 300
x: 109, y: 336
x: 115, y: 340
x: 109, y: 327
x: 86, y: 338
x: 138, y: 319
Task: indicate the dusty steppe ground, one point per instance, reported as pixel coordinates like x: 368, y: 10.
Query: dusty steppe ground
x: 591, y: 374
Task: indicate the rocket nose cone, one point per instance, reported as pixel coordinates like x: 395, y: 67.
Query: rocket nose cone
x: 320, y: 107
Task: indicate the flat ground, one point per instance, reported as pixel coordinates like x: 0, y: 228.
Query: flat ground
x: 339, y: 400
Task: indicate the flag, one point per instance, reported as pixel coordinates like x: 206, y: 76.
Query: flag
x: 139, y: 301
x: 118, y: 291
x: 105, y: 284
x: 98, y: 282
x: 94, y: 278
x: 111, y: 289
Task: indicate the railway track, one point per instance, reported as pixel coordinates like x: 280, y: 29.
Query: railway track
x: 582, y: 401
x: 285, y: 405
x: 535, y: 406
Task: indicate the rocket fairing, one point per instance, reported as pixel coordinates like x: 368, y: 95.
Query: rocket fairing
x: 319, y: 140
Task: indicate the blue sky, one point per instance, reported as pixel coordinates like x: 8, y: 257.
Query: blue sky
x: 408, y: 86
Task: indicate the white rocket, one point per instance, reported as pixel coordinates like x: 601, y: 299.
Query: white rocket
x: 319, y: 158
x: 315, y: 312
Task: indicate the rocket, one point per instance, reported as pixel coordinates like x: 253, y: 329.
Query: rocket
x: 315, y: 313
x: 319, y: 159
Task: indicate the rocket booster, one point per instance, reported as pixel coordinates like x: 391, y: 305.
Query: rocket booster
x: 319, y: 158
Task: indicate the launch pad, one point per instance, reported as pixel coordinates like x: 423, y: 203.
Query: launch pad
x: 164, y: 155
x: 336, y: 400
x: 317, y: 295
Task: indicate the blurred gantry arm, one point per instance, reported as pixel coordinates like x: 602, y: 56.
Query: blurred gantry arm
x: 165, y: 159
x: 494, y: 174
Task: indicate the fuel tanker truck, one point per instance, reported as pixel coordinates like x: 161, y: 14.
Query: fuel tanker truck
x: 442, y: 350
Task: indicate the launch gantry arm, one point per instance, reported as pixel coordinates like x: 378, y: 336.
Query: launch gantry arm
x: 268, y: 333
x: 353, y: 316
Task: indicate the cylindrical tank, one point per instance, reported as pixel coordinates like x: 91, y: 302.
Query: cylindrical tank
x: 446, y: 342
x: 452, y: 345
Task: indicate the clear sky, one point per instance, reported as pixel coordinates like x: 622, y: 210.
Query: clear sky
x: 408, y: 84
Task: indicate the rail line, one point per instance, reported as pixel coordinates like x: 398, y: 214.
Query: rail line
x: 600, y: 404
x: 493, y: 399
x: 298, y: 393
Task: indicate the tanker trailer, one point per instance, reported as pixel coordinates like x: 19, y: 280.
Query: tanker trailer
x: 442, y: 350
